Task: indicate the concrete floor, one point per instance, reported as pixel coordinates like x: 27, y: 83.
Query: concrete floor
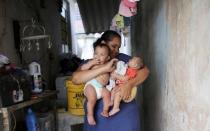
x: 68, y: 122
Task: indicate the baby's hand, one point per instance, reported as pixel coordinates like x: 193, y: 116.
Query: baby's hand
x: 93, y: 62
x: 111, y: 65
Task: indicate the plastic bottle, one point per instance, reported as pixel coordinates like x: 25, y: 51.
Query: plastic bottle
x: 31, y: 121
x: 35, y: 72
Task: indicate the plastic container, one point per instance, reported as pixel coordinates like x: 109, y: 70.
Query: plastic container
x: 75, y: 98
x: 31, y: 121
x: 35, y: 72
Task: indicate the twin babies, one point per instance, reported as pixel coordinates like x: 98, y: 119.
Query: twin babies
x: 97, y: 88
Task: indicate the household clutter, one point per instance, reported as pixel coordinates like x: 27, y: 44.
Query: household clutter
x: 25, y: 86
x: 22, y: 88
x: 20, y: 85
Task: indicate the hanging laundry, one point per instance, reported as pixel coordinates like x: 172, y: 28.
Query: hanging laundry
x: 133, y: 0
x: 129, y: 4
x: 121, y: 24
x: 127, y: 21
x: 127, y: 8
x: 126, y: 31
x: 117, y: 23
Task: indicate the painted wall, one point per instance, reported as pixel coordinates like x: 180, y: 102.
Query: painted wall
x: 173, y: 37
x: 46, y: 14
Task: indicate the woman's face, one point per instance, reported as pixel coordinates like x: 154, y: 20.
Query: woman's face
x: 114, y: 46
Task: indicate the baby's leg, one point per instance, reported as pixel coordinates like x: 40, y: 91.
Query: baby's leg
x: 117, y: 100
x: 112, y: 97
x: 90, y: 94
x: 113, y: 92
x: 106, y: 101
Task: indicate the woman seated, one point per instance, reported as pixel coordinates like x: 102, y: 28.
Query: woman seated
x: 128, y: 117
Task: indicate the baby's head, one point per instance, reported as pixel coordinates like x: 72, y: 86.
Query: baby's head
x: 101, y: 52
x: 135, y: 62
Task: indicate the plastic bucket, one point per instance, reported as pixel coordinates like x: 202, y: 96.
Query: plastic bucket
x: 75, y: 98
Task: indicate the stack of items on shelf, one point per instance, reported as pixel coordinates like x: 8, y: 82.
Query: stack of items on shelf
x: 15, y: 83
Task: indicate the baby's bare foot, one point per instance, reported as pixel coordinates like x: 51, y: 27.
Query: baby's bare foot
x: 105, y: 113
x: 114, y: 111
x: 91, y: 120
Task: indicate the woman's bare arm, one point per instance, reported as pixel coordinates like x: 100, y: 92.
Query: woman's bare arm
x: 141, y: 76
x: 116, y: 76
x: 86, y: 66
x: 89, y: 64
x: 82, y: 76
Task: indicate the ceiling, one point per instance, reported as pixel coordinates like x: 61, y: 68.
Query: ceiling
x: 97, y: 14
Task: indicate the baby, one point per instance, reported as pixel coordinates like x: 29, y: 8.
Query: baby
x: 134, y: 65
x: 95, y: 88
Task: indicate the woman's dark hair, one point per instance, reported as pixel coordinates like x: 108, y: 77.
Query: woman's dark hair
x: 109, y: 35
x: 106, y: 37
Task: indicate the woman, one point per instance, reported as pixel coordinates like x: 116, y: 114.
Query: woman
x: 128, y: 117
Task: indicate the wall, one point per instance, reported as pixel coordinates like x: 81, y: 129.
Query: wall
x: 46, y: 14
x: 173, y: 37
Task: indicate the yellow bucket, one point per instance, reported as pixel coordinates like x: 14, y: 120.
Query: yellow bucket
x: 75, y: 98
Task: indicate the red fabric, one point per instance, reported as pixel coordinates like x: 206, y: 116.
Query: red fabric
x: 130, y: 72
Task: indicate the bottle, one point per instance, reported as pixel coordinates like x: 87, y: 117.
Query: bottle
x: 35, y: 72
x: 31, y: 121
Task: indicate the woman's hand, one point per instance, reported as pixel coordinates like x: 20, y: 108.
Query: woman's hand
x: 125, y: 91
x: 126, y: 88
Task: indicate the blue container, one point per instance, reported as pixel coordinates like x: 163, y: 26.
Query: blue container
x: 31, y: 121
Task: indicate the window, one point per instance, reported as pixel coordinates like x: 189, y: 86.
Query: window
x: 65, y: 24
x: 82, y: 44
x: 81, y: 41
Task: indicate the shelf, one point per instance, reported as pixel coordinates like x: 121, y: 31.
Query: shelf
x: 6, y: 111
x: 40, y: 97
